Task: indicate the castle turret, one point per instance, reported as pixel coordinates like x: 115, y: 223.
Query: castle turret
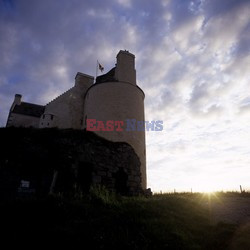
x: 116, y: 97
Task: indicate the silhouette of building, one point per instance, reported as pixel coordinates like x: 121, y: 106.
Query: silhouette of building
x: 115, y: 96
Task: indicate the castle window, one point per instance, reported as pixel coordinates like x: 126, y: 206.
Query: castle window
x: 43, y: 116
x: 51, y: 117
x: 48, y: 124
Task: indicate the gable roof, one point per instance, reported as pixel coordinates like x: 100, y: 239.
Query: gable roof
x: 108, y: 77
x: 29, y: 109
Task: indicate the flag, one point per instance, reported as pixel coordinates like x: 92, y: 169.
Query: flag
x: 100, y: 67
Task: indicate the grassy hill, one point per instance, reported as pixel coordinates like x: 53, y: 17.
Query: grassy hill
x: 103, y: 220
x: 97, y: 219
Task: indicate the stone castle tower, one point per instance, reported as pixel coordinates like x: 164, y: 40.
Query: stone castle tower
x: 114, y: 96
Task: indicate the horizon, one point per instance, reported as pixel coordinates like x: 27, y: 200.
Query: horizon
x: 215, y: 191
x: 192, y: 62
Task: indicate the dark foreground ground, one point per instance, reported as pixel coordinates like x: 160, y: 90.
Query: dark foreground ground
x: 230, y: 208
x: 104, y: 221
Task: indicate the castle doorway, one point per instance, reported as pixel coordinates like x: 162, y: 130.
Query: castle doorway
x: 121, y: 179
x: 85, y: 170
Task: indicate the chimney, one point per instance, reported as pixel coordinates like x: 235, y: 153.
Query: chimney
x: 17, y: 101
x: 83, y: 80
x: 125, y: 67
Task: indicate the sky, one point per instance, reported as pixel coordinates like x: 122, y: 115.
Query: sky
x: 192, y: 61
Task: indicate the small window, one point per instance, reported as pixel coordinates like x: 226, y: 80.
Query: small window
x: 51, y: 117
x: 25, y: 184
x: 48, y: 123
x: 43, y: 116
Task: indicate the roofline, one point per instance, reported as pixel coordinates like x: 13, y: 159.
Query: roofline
x: 82, y: 74
x: 33, y: 104
x: 26, y: 114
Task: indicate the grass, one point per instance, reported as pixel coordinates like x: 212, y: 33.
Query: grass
x: 104, y: 220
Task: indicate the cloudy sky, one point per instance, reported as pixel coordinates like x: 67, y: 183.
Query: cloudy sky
x: 192, y: 61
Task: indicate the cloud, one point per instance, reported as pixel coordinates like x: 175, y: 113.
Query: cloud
x: 192, y: 61
x: 125, y: 3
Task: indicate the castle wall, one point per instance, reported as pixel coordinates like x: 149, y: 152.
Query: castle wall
x: 79, y: 158
x: 66, y: 111
x: 119, y: 101
x: 114, y: 97
x: 18, y: 120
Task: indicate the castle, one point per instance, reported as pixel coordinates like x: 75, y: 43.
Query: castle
x: 114, y: 96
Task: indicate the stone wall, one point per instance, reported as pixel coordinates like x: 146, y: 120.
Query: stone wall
x: 19, y: 120
x: 67, y: 109
x: 119, y: 101
x: 77, y: 159
x: 115, y: 165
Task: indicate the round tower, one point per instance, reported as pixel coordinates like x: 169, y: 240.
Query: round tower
x: 116, y: 97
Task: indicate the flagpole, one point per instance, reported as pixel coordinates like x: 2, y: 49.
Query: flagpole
x: 96, y: 69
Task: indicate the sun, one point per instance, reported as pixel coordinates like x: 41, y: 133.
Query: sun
x: 209, y: 190
x: 208, y: 187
